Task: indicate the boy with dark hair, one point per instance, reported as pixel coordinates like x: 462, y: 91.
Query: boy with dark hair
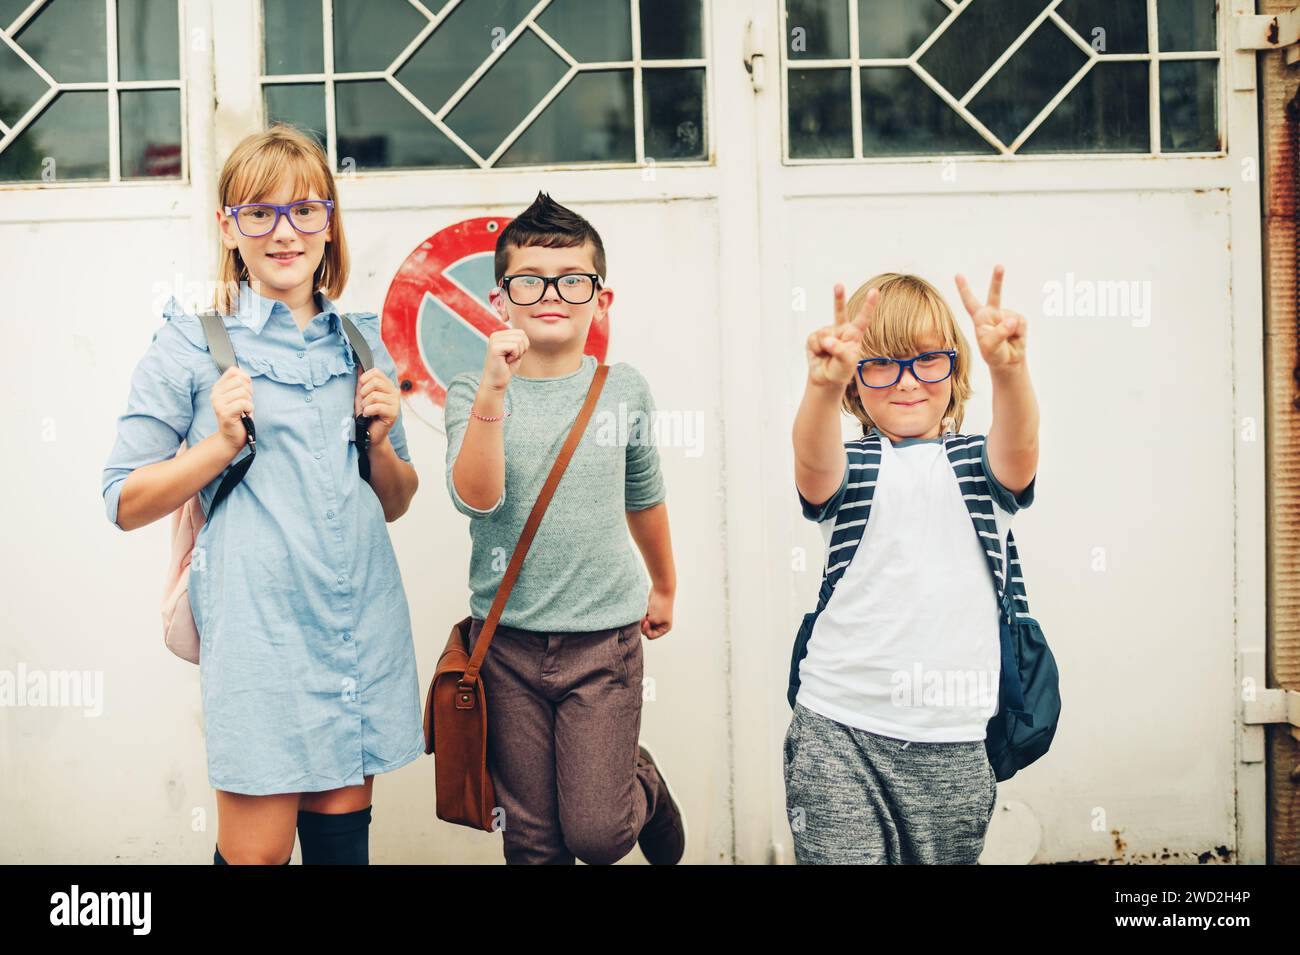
x: 564, y: 671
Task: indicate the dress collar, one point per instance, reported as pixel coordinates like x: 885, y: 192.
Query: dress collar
x: 254, y: 310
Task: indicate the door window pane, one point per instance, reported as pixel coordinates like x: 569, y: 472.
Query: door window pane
x: 150, y: 130
x: 1108, y: 26
x: 1189, y: 111
x: 895, y: 29
x: 592, y: 31
x: 1106, y: 112
x: 368, y: 34
x: 1027, y: 82
x: 674, y: 113
x: 67, y: 142
x: 903, y: 116
x: 20, y: 86
x: 300, y: 104
x: 67, y: 37
x: 820, y: 114
x: 1187, y: 25
x: 148, y: 44
x: 504, y: 95
x: 378, y: 129
x: 975, y: 40
x: 452, y: 52
x: 9, y: 10
x: 590, y: 121
x: 293, y: 41
x: 671, y: 30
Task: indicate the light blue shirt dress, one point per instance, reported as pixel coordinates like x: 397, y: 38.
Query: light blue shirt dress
x: 306, y: 657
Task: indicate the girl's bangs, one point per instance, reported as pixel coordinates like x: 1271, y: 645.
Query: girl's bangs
x: 262, y: 173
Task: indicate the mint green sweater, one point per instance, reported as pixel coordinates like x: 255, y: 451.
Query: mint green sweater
x: 582, y: 572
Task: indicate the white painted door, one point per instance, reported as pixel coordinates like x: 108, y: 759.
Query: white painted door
x: 1118, y: 188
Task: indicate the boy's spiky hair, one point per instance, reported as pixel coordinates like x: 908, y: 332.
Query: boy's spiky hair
x: 551, y: 225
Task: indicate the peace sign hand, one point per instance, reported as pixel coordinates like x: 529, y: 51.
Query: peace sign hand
x: 834, y: 351
x: 1000, y: 332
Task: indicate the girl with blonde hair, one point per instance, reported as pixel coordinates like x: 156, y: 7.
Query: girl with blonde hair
x: 897, y: 673
x: 306, y: 660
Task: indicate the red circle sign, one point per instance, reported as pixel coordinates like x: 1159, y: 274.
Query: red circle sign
x: 437, y: 317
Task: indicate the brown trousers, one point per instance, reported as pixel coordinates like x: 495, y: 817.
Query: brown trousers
x: 564, y: 717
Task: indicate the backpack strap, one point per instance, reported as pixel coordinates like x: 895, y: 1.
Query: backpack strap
x: 966, y: 455
x: 365, y: 360
x: 223, y: 353
x: 851, y: 518
x: 1016, y: 585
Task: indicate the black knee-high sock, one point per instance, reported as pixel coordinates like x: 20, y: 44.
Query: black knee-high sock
x: 219, y: 859
x: 334, y: 838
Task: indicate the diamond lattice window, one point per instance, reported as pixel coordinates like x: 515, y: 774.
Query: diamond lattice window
x: 400, y: 84
x: 90, y: 90
x: 882, y: 78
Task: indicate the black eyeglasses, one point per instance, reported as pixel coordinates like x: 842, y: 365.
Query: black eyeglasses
x: 930, y: 367
x: 576, y: 288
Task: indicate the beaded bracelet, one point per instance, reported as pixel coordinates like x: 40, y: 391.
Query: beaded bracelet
x: 475, y: 414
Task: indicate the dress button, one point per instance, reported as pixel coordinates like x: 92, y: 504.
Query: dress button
x: 346, y: 635
x: 329, y: 514
x: 309, y: 397
x: 341, y: 578
x: 317, y: 455
x: 301, y: 354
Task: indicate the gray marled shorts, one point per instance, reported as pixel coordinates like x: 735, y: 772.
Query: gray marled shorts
x: 858, y: 797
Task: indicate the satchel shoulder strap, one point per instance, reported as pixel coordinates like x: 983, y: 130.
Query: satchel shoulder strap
x: 530, y: 528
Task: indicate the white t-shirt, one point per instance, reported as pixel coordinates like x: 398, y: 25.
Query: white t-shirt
x: 907, y: 646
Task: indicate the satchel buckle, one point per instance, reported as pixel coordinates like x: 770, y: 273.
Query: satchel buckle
x: 464, y: 696
x: 1008, y: 607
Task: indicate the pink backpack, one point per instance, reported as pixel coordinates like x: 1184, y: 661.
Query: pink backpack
x: 180, y: 633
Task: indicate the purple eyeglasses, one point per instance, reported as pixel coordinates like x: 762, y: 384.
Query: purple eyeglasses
x: 307, y: 216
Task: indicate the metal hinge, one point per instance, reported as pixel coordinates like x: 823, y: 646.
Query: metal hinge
x: 1279, y: 31
x: 1262, y: 706
x: 1272, y: 705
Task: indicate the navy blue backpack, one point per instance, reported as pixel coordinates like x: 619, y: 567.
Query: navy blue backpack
x: 1029, y: 697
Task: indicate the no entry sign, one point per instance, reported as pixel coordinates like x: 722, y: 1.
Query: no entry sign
x: 437, y: 318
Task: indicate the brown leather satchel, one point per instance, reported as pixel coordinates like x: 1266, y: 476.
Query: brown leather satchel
x: 455, y: 710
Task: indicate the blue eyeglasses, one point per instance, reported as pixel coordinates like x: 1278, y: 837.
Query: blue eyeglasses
x: 928, y: 367
x: 256, y: 219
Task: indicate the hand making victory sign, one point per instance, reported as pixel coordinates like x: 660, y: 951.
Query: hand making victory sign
x: 999, y: 331
x: 834, y: 350
x: 833, y: 354
x: 1013, y: 435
